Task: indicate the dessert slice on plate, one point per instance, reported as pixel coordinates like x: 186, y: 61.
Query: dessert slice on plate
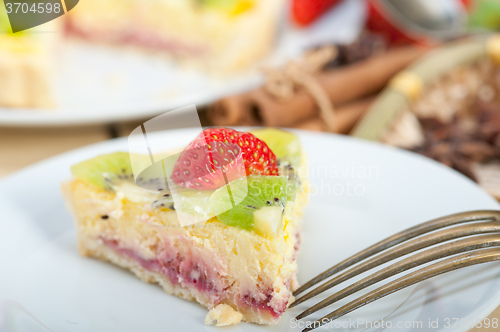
x: 25, y: 65
x: 239, y: 262
x: 222, y: 35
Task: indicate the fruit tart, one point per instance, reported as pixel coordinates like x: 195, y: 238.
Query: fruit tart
x: 221, y: 35
x: 26, y: 65
x: 239, y: 262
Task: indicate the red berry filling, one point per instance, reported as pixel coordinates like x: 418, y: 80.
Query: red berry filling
x: 193, y: 272
x: 262, y: 304
x: 187, y: 271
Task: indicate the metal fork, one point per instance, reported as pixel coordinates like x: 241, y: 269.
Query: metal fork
x: 443, y: 234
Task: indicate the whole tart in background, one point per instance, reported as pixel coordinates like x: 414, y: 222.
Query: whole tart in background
x: 219, y: 35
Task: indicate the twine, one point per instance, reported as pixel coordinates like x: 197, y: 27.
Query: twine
x: 283, y: 83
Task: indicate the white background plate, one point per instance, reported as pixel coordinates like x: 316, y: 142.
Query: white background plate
x: 43, y: 278
x: 96, y: 84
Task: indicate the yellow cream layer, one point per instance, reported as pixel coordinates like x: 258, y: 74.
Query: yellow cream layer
x: 249, y: 255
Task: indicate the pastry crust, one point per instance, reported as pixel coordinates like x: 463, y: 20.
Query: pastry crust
x: 25, y: 81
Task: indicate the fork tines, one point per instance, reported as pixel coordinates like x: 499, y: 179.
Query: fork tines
x: 473, y: 249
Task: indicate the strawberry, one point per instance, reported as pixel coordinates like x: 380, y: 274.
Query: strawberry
x: 201, y: 164
x: 306, y: 11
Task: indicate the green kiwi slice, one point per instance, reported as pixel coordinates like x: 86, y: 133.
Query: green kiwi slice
x: 193, y: 202
x: 285, y: 145
x: 113, y: 172
x: 219, y: 4
x: 105, y: 171
x: 110, y: 170
x: 288, y: 150
x: 263, y: 200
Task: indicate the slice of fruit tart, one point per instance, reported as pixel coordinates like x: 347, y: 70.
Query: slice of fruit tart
x: 239, y: 261
x: 221, y: 35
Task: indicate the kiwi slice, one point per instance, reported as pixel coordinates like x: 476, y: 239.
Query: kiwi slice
x: 285, y: 145
x: 224, y: 5
x: 112, y: 170
x: 262, y: 198
x: 193, y: 202
x: 262, y: 203
x: 106, y: 170
x: 4, y: 23
x: 288, y: 150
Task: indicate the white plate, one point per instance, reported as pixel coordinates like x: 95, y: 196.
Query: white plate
x: 43, y: 280
x: 98, y: 84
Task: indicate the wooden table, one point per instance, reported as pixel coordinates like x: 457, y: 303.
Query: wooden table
x: 22, y: 147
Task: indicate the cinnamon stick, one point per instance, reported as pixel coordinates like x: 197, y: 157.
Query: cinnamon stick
x: 341, y: 85
x: 346, y: 116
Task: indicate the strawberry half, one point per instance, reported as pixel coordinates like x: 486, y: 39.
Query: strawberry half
x: 221, y: 155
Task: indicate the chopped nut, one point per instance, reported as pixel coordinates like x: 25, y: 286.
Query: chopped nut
x: 440, y: 149
x: 496, y: 143
x: 465, y: 167
x: 476, y: 151
x: 459, y: 116
x: 459, y: 143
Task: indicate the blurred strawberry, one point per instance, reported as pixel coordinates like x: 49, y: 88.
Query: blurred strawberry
x: 468, y: 3
x: 306, y: 11
x: 382, y: 19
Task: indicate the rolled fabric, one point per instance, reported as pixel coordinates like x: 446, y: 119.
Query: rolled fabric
x: 341, y: 85
x: 346, y: 115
